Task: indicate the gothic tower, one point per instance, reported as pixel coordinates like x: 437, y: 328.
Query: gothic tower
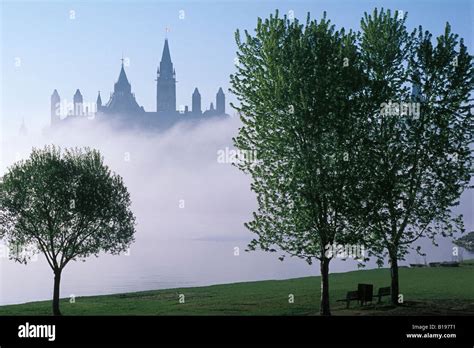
x: 196, y: 107
x: 55, y: 107
x: 220, y: 102
x: 166, y: 83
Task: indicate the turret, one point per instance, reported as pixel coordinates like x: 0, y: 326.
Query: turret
x: 196, y: 104
x: 99, y: 102
x: 55, y: 108
x: 220, y: 102
x: 78, y: 103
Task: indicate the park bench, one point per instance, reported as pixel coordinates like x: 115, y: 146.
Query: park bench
x: 363, y: 294
x: 350, y: 296
x: 383, y: 292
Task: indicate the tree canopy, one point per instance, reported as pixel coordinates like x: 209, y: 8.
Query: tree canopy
x: 421, y: 160
x: 359, y: 137
x: 66, y: 204
x: 299, y: 88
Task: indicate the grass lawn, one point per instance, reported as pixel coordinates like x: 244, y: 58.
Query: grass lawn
x: 426, y: 291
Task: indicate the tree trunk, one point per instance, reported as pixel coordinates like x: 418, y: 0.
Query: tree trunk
x: 57, y: 280
x: 324, y: 309
x: 394, y: 276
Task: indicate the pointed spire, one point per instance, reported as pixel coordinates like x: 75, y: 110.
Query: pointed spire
x: 122, y: 76
x: 166, y: 56
x: 166, y: 83
x: 55, y: 94
x: 99, y: 100
x: 122, y: 85
x: 78, y: 110
x: 77, y: 96
x: 220, y: 91
x: 196, y: 102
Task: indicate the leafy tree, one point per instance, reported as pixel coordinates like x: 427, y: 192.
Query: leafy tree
x: 420, y: 161
x: 299, y: 91
x: 67, y: 205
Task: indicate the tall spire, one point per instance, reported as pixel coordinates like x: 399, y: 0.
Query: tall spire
x: 166, y: 56
x: 166, y: 82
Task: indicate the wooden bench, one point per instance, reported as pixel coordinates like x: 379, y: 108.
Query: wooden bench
x: 363, y: 294
x: 383, y: 292
x: 350, y: 296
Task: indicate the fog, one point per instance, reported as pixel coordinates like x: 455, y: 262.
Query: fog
x: 190, y: 210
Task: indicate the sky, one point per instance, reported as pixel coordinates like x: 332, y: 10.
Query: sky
x: 65, y: 45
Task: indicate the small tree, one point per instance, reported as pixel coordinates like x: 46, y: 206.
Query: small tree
x: 418, y: 140
x: 67, y: 205
x: 298, y: 88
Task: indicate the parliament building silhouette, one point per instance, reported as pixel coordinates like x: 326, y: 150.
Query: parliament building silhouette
x: 123, y: 109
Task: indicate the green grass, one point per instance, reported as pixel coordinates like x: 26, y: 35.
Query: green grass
x: 439, y: 290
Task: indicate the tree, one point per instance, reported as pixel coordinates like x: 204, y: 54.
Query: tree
x: 418, y: 142
x: 67, y: 205
x: 299, y: 88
